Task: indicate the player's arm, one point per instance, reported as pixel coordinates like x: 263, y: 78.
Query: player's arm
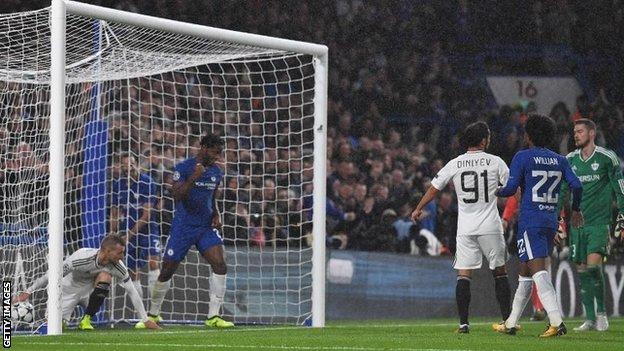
x: 438, y: 183
x: 216, y: 216
x: 142, y: 221
x: 137, y: 302
x: 515, y: 177
x: 148, y: 201
x: 113, y: 221
x: 184, y: 183
x: 511, y: 206
x: 42, y: 281
x: 617, y: 184
x: 576, y: 189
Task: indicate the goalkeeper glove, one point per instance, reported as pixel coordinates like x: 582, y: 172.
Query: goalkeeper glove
x: 561, y: 229
x: 619, y: 226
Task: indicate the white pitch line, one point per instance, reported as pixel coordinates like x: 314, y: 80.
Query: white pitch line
x: 294, y: 327
x: 269, y: 347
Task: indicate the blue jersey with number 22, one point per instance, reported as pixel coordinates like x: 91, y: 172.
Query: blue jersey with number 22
x: 538, y: 172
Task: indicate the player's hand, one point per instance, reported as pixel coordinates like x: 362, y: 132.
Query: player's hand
x: 417, y: 215
x: 619, y: 226
x: 561, y: 229
x: 21, y: 297
x: 577, y: 219
x: 216, y: 222
x: 557, y: 240
x: 197, y: 172
x: 149, y: 324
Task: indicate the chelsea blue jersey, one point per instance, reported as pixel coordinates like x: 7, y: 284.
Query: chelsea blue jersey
x: 539, y: 173
x: 196, y: 209
x: 130, y: 196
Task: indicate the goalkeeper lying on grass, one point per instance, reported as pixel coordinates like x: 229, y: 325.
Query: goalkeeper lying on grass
x: 87, y: 276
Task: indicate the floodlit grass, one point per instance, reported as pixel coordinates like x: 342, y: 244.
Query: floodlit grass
x: 369, y: 335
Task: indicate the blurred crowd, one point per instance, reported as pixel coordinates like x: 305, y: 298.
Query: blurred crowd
x: 401, y: 87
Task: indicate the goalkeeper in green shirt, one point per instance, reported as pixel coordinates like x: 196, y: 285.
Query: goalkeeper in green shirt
x: 601, y: 175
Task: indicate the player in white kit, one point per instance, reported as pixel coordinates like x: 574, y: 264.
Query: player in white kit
x: 476, y: 176
x: 87, y: 275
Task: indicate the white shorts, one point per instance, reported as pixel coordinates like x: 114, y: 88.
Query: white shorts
x: 472, y: 248
x: 75, y: 292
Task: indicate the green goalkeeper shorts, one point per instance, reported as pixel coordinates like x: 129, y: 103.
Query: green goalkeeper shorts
x: 587, y: 240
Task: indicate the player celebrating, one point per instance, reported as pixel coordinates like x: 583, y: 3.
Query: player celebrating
x: 134, y: 197
x: 196, y: 222
x: 599, y: 171
x: 538, y: 172
x: 87, y: 275
x: 476, y: 176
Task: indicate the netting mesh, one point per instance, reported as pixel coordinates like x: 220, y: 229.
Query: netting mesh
x: 137, y: 102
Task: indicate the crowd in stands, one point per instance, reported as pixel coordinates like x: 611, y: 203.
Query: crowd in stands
x: 388, y: 59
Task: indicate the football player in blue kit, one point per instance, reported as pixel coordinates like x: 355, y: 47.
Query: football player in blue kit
x: 133, y: 201
x: 196, y: 222
x: 538, y: 172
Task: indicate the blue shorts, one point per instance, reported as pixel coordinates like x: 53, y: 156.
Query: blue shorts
x: 141, y: 246
x: 534, y: 242
x: 182, y: 238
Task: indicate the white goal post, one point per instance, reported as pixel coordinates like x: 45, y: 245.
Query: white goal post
x: 217, y: 74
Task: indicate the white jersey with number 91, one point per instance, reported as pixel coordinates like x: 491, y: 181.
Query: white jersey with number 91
x: 476, y: 175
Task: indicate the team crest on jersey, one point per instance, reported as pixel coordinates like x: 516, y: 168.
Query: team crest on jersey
x: 595, y: 166
x: 213, y: 178
x: 574, y: 169
x: 176, y: 176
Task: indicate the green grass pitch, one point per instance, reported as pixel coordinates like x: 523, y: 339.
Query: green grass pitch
x: 370, y: 335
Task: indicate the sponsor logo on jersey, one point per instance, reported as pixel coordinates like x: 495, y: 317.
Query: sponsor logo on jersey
x: 589, y: 178
x: 546, y: 207
x: 207, y: 185
x: 595, y: 166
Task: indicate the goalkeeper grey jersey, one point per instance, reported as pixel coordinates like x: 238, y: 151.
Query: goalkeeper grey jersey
x: 82, y: 266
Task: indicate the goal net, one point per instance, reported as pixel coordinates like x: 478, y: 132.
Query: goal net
x: 137, y: 101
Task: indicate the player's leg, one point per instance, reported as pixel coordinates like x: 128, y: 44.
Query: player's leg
x: 134, y: 262
x: 523, y: 292
x: 96, y: 299
x: 539, y: 244
x: 467, y: 258
x: 494, y: 249
x: 72, y: 294
x: 579, y: 256
x: 520, y: 300
x: 179, y: 242
x: 597, y: 239
x: 153, y: 260
x: 538, y: 309
x: 211, y: 247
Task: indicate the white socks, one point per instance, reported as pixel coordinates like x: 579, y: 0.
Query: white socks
x: 546, y: 293
x: 158, y: 295
x: 217, y: 291
x: 138, y: 287
x: 522, y: 296
x: 152, y: 276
